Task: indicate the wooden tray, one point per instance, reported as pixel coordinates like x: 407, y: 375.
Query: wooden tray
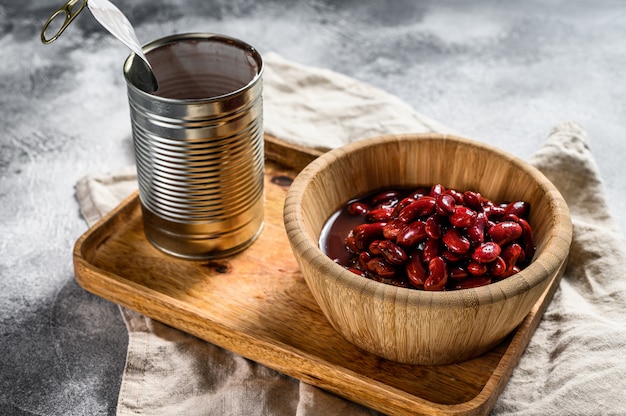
x: 257, y: 304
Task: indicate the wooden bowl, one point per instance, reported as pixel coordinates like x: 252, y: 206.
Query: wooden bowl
x: 414, y: 326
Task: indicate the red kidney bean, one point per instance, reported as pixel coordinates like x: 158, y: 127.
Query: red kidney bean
x: 432, y: 249
x: 392, y: 229
x: 486, y: 252
x: 475, y: 235
x: 510, y: 254
x: 402, y: 204
x: 412, y: 234
x: 521, y: 260
x: 420, y: 192
x: 458, y: 197
x: 509, y: 217
x: 434, y: 226
x: 392, y: 252
x: 350, y: 242
x: 473, y: 200
x: 518, y: 208
x: 418, y: 208
x: 445, y: 204
x: 380, y: 267
x: 437, y: 238
x: 358, y: 208
x: 504, y: 232
x: 373, y: 248
x: 386, y: 197
x: 452, y: 257
x: 477, y: 269
x: 416, y: 271
x: 457, y: 272
x: 528, y: 240
x: 381, y: 214
x: 497, y: 268
x: 493, y: 212
x: 364, y: 234
x: 364, y: 258
x: 455, y: 241
x: 462, y: 217
x: 437, y: 189
x: 476, y: 232
x: 437, y: 274
x: 514, y: 270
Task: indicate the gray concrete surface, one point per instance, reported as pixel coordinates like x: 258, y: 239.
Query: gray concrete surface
x: 500, y: 72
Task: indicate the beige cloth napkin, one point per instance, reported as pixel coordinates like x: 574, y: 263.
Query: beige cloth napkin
x: 322, y: 109
x: 573, y: 364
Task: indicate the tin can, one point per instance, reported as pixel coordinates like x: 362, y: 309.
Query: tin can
x: 198, y: 144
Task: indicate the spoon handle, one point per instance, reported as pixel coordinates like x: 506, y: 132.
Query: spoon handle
x: 115, y: 22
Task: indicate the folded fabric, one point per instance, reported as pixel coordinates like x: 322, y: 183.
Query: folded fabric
x: 99, y: 194
x: 572, y: 365
x: 322, y: 109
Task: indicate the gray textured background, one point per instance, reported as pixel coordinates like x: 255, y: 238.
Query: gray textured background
x: 500, y: 72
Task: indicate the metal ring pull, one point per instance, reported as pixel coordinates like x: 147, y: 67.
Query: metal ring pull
x: 67, y: 10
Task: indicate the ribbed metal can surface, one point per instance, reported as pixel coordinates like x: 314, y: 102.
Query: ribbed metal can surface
x: 199, y: 145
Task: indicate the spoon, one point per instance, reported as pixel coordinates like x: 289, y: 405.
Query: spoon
x: 140, y: 73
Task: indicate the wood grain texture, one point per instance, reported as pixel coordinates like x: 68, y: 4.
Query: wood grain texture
x: 414, y: 326
x: 289, y: 154
x: 258, y: 305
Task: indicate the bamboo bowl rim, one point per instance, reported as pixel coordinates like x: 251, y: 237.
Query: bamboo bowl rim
x: 544, y: 265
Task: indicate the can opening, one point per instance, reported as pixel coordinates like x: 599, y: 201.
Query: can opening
x: 206, y: 67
